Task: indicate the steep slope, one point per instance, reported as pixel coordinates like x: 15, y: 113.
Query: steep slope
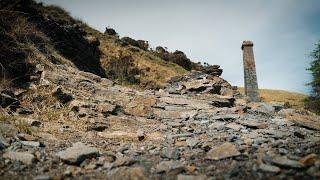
x: 35, y: 34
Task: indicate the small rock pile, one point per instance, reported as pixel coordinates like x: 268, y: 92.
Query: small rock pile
x: 197, y: 82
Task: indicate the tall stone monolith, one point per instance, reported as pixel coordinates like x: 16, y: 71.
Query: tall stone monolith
x: 250, y: 75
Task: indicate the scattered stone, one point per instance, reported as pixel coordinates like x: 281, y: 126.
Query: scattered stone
x: 23, y: 157
x: 140, y: 134
x: 77, y: 153
x: 217, y: 125
x: 191, y: 177
x: 170, y: 153
x: 176, y: 136
x: 313, y: 172
x: 308, y: 160
x: 223, y: 151
x: 98, y: 126
x: 125, y: 161
x: 31, y: 143
x: 269, y: 168
x: 106, y: 108
x: 43, y: 177
x: 134, y: 173
x: 250, y: 123
x: 192, y: 142
x: 172, y: 167
x: 283, y: 161
x: 276, y: 133
x: 226, y: 117
x: 263, y: 108
x: 234, y: 126
x: 141, y: 106
x: 286, y: 112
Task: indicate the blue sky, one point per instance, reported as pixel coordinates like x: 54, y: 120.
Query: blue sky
x: 283, y: 31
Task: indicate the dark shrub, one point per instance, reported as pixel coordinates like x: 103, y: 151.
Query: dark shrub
x: 110, y: 31
x: 162, y: 53
x: 137, y: 43
x: 181, y: 59
x: 123, y: 69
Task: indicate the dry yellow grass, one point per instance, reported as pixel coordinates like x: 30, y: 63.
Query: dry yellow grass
x: 296, y: 100
x: 155, y: 71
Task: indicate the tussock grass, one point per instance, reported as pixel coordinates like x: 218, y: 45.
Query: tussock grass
x: 21, y: 125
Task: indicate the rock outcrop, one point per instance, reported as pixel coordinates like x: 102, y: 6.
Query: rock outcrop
x: 199, y: 82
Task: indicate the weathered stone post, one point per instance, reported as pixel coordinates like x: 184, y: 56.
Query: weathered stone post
x: 250, y: 75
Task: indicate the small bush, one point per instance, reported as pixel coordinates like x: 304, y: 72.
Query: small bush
x: 162, y: 53
x: 137, y: 43
x: 313, y: 104
x: 110, y: 31
x: 123, y: 69
x: 181, y: 59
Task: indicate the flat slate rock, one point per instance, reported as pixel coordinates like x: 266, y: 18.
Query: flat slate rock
x: 286, y: 163
x: 253, y: 124
x: 234, y: 126
x: 77, y: 153
x: 31, y: 143
x: 168, y: 166
x: 127, y: 173
x: 24, y: 157
x: 226, y: 150
x: 269, y: 168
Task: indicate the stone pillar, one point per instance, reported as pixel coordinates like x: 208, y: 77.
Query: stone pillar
x: 250, y: 75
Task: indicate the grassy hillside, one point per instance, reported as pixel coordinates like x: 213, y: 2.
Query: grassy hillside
x: 35, y: 34
x: 296, y: 100
x: 149, y: 71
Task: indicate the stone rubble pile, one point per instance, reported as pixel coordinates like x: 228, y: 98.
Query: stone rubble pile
x: 106, y: 131
x: 197, y: 82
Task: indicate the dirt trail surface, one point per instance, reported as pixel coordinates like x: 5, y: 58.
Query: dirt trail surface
x: 83, y: 126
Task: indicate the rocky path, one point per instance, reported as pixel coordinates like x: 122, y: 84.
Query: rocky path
x: 84, y: 126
